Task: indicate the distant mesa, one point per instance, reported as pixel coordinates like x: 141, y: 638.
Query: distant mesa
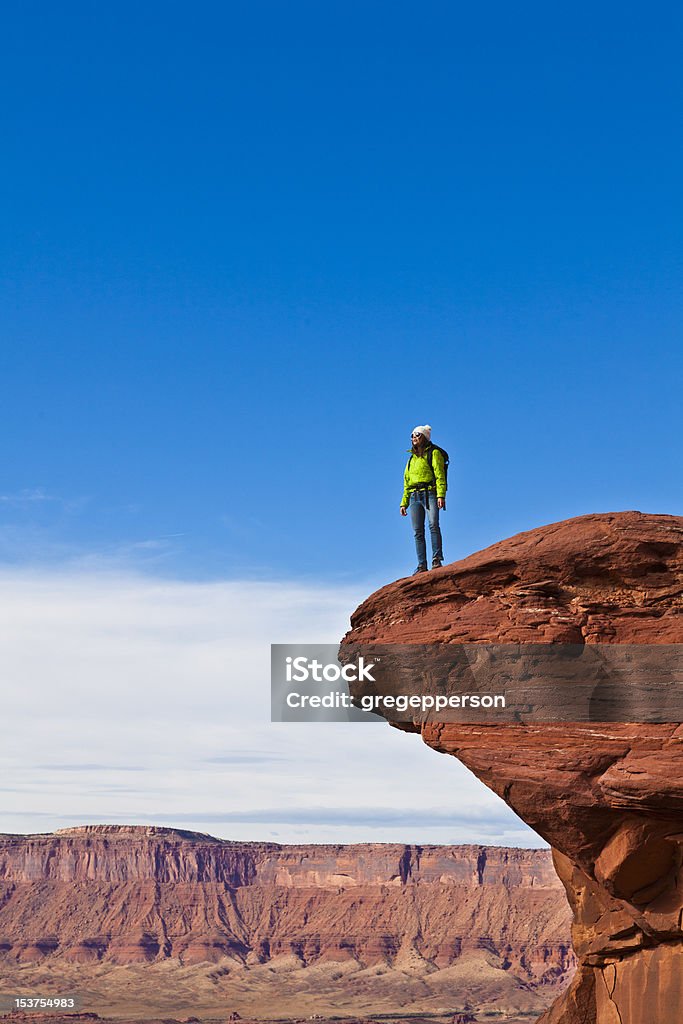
x: 269, y: 930
x: 607, y: 797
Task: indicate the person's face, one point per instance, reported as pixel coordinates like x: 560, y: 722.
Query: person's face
x: 418, y: 439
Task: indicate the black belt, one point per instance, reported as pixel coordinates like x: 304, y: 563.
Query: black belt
x: 426, y: 487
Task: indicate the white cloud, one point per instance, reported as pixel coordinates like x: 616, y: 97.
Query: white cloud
x: 131, y: 699
x: 27, y: 496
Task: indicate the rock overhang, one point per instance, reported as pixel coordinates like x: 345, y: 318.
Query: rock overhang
x: 607, y: 796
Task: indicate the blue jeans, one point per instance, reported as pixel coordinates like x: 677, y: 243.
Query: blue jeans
x: 417, y: 507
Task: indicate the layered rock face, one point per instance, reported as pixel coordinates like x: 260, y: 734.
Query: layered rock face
x: 135, y: 895
x: 607, y: 797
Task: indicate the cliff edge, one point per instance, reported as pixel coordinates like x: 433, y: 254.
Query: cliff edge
x: 607, y: 797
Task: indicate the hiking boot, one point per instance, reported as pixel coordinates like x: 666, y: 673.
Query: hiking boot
x: 436, y: 564
x: 420, y: 568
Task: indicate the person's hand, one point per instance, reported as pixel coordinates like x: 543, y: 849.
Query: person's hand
x: 404, y: 510
x: 441, y: 502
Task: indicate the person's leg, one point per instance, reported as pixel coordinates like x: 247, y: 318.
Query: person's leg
x: 417, y: 519
x: 435, y: 531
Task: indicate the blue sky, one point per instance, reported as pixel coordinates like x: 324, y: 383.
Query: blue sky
x: 246, y: 247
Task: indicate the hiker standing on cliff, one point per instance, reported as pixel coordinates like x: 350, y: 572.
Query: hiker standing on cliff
x: 424, y: 491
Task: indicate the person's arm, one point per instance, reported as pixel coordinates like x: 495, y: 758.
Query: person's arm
x: 406, y: 496
x: 439, y: 474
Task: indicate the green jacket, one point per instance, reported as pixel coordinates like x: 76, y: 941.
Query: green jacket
x: 418, y: 472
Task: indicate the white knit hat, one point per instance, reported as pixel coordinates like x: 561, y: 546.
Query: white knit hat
x: 426, y: 431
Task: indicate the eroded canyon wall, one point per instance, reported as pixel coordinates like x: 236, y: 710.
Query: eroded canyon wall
x: 135, y: 894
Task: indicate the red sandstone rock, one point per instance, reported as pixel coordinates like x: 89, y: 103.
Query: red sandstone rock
x: 129, y: 895
x: 609, y: 798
